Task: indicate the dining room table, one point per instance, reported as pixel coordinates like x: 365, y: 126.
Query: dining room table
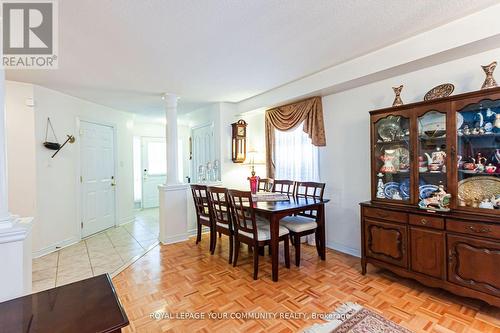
x: 274, y: 211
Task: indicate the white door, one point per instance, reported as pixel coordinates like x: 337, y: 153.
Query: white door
x: 154, y: 170
x: 97, y: 177
x: 204, y: 152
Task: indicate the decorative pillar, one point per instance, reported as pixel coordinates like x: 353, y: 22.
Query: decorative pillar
x: 15, y: 236
x: 174, y: 194
x: 172, y: 139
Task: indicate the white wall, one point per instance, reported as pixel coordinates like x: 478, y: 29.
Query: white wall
x: 344, y: 162
x: 20, y: 126
x: 54, y: 196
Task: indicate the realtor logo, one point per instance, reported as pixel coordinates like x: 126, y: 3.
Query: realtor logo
x: 29, y: 34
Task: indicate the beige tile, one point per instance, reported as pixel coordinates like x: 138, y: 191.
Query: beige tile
x: 74, y: 269
x: 49, y: 260
x: 76, y: 260
x: 149, y: 243
x: 73, y: 250
x: 128, y: 253
x: 107, y: 268
x: 44, y: 274
x: 72, y: 278
x: 106, y: 259
x: 43, y: 285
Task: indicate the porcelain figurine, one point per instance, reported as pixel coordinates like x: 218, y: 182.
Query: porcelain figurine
x: 438, y: 201
x: 480, y: 162
x: 489, y: 81
x: 475, y: 131
x: 466, y: 130
x: 380, y: 189
x: 397, y: 100
x: 488, y: 128
x: 396, y: 196
x: 388, y: 158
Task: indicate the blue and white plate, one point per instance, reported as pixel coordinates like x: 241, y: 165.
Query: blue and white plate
x: 404, y: 189
x: 427, y: 190
x: 390, y: 189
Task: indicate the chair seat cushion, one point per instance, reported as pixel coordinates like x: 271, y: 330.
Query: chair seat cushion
x: 223, y: 225
x: 298, y: 223
x: 264, y: 232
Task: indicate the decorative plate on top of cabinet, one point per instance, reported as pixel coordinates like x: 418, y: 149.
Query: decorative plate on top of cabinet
x: 478, y: 188
x: 443, y: 90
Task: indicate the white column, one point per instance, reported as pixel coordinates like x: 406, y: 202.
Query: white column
x: 172, y: 139
x: 5, y: 218
x: 174, y: 194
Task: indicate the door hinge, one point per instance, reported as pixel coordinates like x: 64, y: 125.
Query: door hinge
x: 81, y: 179
x: 81, y: 224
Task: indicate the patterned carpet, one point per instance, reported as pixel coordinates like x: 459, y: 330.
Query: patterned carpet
x: 171, y: 283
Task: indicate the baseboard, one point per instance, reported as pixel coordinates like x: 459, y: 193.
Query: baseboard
x: 344, y: 249
x: 55, y: 247
x: 175, y: 239
x: 193, y: 232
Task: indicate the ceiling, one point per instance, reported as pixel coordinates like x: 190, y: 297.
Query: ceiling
x: 126, y: 53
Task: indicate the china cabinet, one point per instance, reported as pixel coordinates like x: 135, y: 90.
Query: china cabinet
x: 448, y: 146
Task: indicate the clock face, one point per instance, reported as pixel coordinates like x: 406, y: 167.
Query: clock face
x: 241, y: 131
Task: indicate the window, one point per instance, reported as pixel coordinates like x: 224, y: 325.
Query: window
x: 295, y: 157
x: 157, y: 158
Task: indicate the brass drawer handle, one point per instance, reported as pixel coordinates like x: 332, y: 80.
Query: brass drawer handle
x: 482, y: 230
x: 423, y: 221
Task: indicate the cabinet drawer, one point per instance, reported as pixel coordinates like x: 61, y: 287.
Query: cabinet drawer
x: 427, y: 221
x: 473, y: 228
x: 385, y: 214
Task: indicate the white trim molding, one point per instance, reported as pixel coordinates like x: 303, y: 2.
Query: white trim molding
x: 344, y: 249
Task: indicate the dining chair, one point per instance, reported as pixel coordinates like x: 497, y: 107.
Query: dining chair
x: 203, y: 213
x: 218, y: 199
x: 248, y: 231
x: 284, y: 187
x: 265, y: 184
x: 304, y: 223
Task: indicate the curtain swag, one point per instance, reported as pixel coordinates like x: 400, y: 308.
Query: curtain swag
x: 289, y: 116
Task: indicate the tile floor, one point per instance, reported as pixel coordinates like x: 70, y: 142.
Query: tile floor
x: 107, y: 252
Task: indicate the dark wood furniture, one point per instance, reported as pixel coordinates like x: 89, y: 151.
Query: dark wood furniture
x: 218, y: 198
x: 284, y: 186
x: 304, y: 223
x: 203, y: 213
x: 265, y: 184
x: 248, y: 231
x: 458, y: 250
x: 86, y: 306
x: 277, y: 210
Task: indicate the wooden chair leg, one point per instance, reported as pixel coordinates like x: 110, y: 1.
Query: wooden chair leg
x: 231, y: 249
x: 287, y: 252
x: 318, y: 242
x: 297, y: 249
x: 236, y: 251
x: 198, y: 233
x: 255, y: 264
x: 213, y: 241
x: 220, y: 235
x: 261, y: 250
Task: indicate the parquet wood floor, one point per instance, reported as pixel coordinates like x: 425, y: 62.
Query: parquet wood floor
x: 184, y: 277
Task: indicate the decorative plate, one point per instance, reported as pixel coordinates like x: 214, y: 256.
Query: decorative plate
x: 388, y: 128
x: 404, y: 189
x: 478, y: 188
x: 432, y: 124
x: 390, y: 189
x: 401, y: 158
x: 460, y: 120
x: 443, y: 90
x: 426, y: 190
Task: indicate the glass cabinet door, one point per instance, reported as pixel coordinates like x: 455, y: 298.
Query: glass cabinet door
x: 432, y: 151
x: 392, y: 158
x: 478, y: 156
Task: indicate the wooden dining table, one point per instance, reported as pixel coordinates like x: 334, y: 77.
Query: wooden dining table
x: 274, y: 211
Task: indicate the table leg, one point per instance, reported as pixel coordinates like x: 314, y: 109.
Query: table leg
x: 321, y: 228
x: 274, y: 225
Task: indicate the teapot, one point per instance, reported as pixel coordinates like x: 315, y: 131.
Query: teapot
x: 490, y: 168
x: 436, y: 157
x: 470, y: 165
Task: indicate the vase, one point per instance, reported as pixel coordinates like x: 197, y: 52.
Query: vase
x: 397, y: 100
x: 489, y: 82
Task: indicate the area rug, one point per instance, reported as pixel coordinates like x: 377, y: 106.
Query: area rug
x: 353, y: 318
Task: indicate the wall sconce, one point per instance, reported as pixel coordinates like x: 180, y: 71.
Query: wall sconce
x: 239, y: 141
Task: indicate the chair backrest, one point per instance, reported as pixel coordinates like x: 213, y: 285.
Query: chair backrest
x: 200, y: 197
x: 218, y: 199
x: 265, y: 184
x: 309, y: 190
x: 284, y: 186
x: 243, y: 214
